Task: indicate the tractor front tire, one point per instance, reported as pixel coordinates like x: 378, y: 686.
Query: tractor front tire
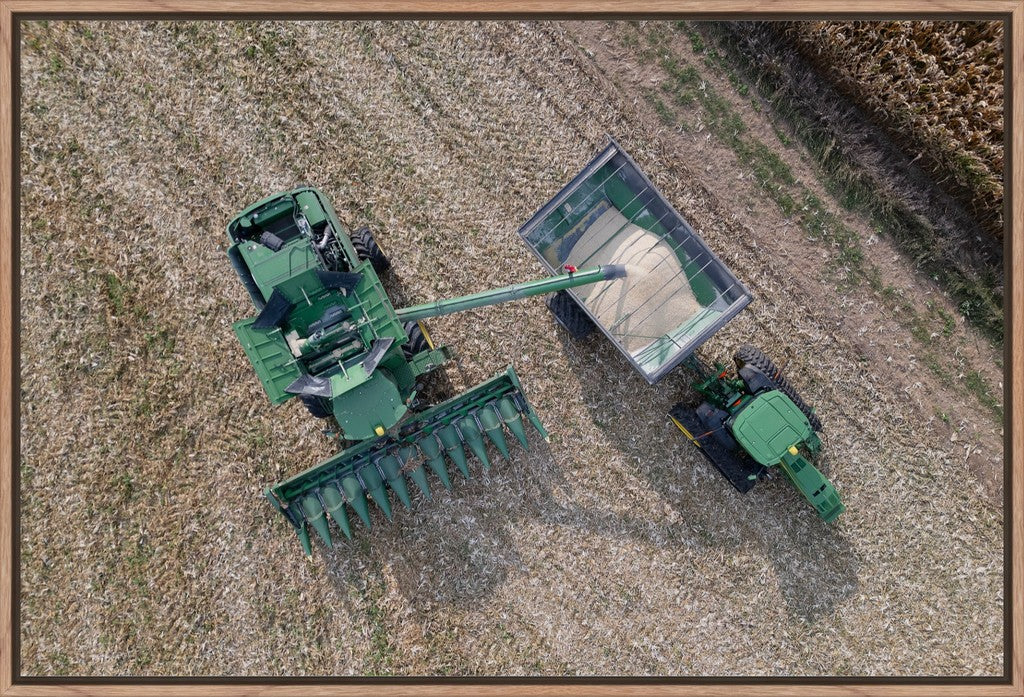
x: 367, y: 249
x: 754, y: 357
x: 569, y: 315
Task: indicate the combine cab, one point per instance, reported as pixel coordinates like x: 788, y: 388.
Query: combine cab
x: 326, y: 332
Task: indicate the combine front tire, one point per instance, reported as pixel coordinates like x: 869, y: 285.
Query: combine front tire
x: 568, y: 314
x: 754, y: 357
x: 417, y: 341
x: 317, y: 406
x: 367, y: 249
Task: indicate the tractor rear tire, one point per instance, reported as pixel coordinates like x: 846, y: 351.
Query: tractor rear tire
x: 317, y: 406
x: 754, y: 357
x: 368, y: 249
x: 417, y: 341
x: 569, y: 315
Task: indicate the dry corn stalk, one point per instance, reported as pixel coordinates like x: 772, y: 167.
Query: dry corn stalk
x: 937, y: 85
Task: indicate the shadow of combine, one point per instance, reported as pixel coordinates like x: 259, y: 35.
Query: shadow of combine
x: 452, y: 549
x: 456, y: 548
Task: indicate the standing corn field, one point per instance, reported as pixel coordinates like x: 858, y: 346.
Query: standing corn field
x: 936, y: 86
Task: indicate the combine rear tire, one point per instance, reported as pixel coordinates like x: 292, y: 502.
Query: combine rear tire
x: 317, y: 406
x: 568, y: 314
x: 417, y: 342
x: 754, y: 357
x: 367, y: 249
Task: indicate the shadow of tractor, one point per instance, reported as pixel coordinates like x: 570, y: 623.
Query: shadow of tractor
x: 814, y: 563
x: 454, y: 550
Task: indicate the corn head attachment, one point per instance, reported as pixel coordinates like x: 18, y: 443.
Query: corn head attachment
x: 388, y: 468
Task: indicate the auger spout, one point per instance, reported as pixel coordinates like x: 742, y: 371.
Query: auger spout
x: 541, y: 286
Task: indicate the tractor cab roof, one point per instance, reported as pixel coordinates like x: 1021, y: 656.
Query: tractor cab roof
x: 769, y: 425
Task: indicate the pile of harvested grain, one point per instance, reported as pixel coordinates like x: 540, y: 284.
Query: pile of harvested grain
x: 653, y: 298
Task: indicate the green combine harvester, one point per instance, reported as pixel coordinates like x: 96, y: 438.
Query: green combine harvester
x: 326, y: 332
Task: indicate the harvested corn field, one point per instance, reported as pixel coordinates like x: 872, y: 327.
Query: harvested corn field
x: 146, y: 545
x: 938, y: 86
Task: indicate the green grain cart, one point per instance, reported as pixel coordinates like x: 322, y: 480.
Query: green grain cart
x: 326, y: 332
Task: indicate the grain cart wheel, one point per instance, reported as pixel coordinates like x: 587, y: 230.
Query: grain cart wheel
x: 417, y: 341
x: 568, y: 314
x: 754, y: 357
x: 317, y: 406
x: 367, y: 249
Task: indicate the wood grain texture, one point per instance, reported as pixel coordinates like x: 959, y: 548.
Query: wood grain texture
x: 673, y: 7
x: 1015, y: 350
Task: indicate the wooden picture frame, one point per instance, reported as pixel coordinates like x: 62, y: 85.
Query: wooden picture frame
x: 1011, y: 11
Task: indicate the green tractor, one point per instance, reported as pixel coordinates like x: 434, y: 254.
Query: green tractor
x: 755, y: 421
x: 326, y: 332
